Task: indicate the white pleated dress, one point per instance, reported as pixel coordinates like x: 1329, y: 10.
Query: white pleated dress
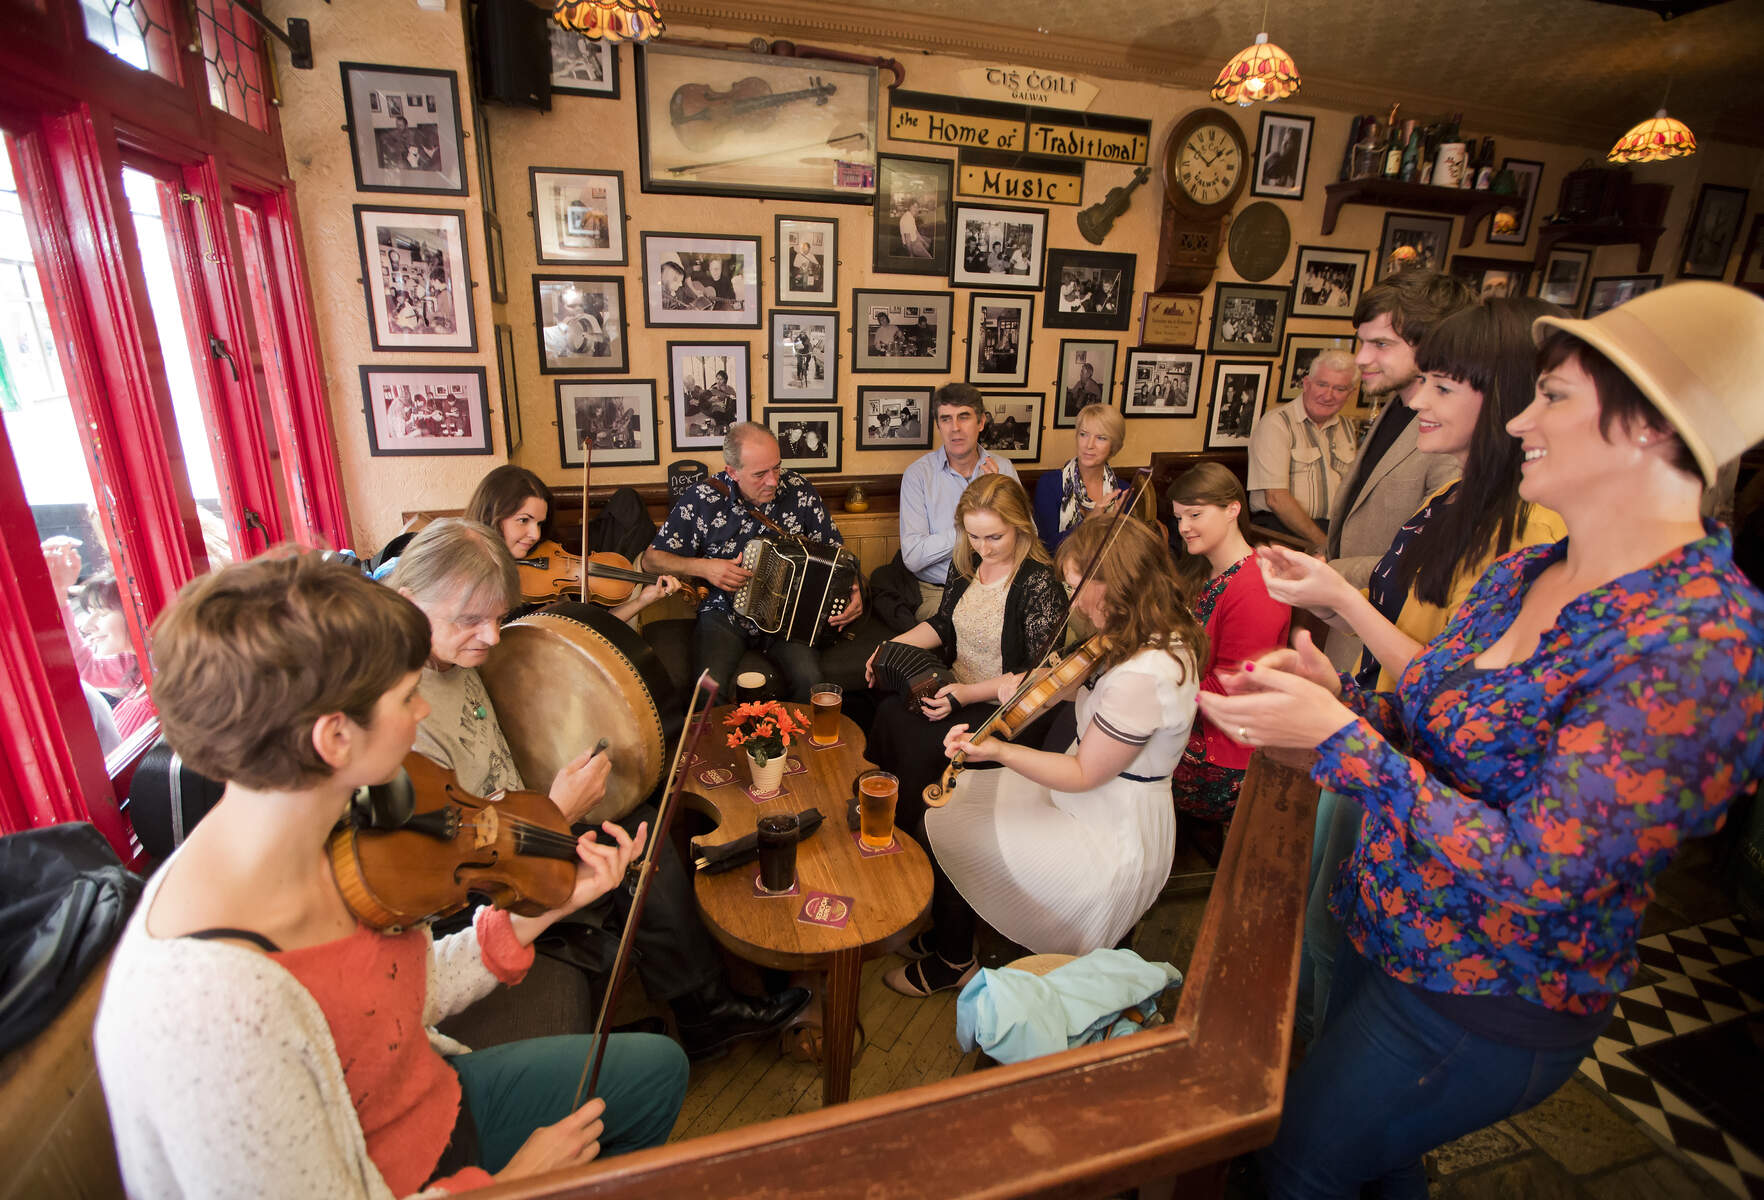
x: 1070, y: 872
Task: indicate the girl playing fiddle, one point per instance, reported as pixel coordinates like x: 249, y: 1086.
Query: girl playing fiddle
x: 254, y: 1038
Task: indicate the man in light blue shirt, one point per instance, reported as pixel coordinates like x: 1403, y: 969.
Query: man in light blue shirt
x: 930, y: 488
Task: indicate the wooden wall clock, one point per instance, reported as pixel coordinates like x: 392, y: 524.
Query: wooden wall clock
x: 1206, y: 165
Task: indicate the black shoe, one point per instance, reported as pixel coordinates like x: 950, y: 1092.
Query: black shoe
x: 731, y: 1017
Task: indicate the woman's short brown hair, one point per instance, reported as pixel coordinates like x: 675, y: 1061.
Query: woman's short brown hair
x: 501, y: 493
x: 249, y: 657
x: 1005, y: 498
x: 1620, y: 400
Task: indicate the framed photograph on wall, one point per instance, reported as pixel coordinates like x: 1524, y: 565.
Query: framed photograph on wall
x: 1608, y: 291
x: 894, y: 418
x: 580, y: 323
x: 416, y: 278
x: 1239, y: 391
x: 578, y: 216
x: 912, y: 215
x: 404, y: 129
x: 613, y: 417
x: 426, y: 410
x: 1161, y: 383
x: 1713, y: 229
x: 511, y: 389
x: 805, y: 356
x: 1013, y: 425
x: 901, y: 331
x: 998, y: 338
x: 707, y: 391
x: 690, y: 280
x: 1248, y: 318
x: 1302, y: 350
x: 1283, y: 155
x: 1564, y: 277
x: 1087, y: 289
x: 811, y: 136
x: 808, y: 438
x: 1087, y: 376
x: 582, y: 66
x: 1512, y: 226
x: 997, y: 247
x: 1413, y: 240
x: 1751, y: 268
x: 1493, y: 278
x: 1327, y: 282
x: 807, y: 253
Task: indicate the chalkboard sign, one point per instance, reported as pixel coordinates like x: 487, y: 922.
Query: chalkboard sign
x: 682, y: 475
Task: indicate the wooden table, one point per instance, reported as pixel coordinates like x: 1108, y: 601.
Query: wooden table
x: 889, y: 893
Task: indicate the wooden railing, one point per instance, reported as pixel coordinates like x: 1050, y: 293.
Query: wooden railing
x: 1175, y: 1101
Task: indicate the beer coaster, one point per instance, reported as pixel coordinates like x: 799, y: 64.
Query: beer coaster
x: 814, y: 745
x: 893, y: 846
x: 764, y: 797
x: 716, y: 777
x: 823, y: 908
x: 794, y: 765
x: 761, y: 893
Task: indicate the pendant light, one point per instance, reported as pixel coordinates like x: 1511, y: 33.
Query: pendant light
x: 610, y: 20
x: 1260, y: 71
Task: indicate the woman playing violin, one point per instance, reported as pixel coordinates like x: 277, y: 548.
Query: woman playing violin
x: 254, y: 1038
x: 1062, y: 853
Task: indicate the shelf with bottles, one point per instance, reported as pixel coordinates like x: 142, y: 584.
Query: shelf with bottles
x: 1469, y: 203
x: 1644, y: 237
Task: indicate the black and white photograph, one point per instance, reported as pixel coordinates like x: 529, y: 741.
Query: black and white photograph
x: 808, y: 438
x: 415, y: 278
x: 1493, y: 278
x: 1161, y: 383
x: 1087, y: 376
x: 1750, y: 274
x: 894, y: 418
x: 582, y: 66
x: 1302, y: 350
x: 581, y: 324
x: 1013, y: 425
x: 1512, y: 226
x: 901, y: 331
x: 511, y: 389
x: 611, y: 419
x: 807, y: 251
x: 998, y: 339
x: 1608, y: 291
x: 578, y: 216
x: 404, y: 129
x: 1248, y: 318
x: 1564, y: 277
x: 1412, y: 240
x: 1239, y: 391
x: 690, y: 280
x: 434, y: 410
x: 912, y: 215
x: 707, y: 391
x: 1713, y: 229
x: 1327, y: 282
x: 1087, y: 289
x: 805, y: 356
x: 998, y: 247
x: 1283, y: 154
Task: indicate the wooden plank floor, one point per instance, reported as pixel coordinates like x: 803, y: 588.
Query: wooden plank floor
x: 908, y: 1042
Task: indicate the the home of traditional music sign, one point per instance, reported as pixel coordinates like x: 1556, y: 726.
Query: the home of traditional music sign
x: 1014, y: 128
x: 1026, y: 178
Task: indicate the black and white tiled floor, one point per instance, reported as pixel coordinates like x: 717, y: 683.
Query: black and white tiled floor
x: 1681, y: 994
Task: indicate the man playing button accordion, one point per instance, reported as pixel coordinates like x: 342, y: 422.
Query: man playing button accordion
x: 705, y: 534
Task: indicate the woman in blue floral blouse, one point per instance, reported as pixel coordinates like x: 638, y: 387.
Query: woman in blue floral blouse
x: 1592, y: 704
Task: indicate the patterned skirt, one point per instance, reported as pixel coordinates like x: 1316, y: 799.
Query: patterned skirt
x: 1203, y: 789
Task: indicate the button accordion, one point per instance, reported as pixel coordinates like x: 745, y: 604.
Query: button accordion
x: 798, y: 586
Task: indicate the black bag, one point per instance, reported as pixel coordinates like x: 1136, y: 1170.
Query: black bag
x: 894, y: 595
x: 64, y: 897
x: 167, y: 798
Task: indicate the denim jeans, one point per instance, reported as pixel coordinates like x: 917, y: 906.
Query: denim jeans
x: 1337, y: 833
x: 518, y: 1087
x: 718, y: 644
x: 1389, y: 1080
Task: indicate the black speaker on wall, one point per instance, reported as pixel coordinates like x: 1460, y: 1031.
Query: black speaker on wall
x: 512, y: 53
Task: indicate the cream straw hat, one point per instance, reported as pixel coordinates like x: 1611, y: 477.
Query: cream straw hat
x: 1696, y: 350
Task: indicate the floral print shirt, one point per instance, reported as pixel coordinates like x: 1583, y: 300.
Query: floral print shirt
x: 705, y: 523
x: 1512, y: 854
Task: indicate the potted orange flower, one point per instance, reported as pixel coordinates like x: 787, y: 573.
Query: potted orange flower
x: 763, y: 728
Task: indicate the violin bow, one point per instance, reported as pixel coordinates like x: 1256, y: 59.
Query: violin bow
x: 587, y: 464
x: 697, y: 719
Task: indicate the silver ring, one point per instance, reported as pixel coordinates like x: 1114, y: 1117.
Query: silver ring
x: 1242, y: 734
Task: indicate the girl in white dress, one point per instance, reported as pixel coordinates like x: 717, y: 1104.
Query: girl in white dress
x: 1062, y: 853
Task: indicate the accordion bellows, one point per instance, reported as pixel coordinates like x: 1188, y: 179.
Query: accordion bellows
x: 910, y: 671
x: 798, y: 585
